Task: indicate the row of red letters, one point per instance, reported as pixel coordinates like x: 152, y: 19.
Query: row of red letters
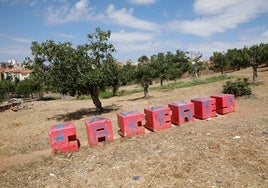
x: 63, y: 136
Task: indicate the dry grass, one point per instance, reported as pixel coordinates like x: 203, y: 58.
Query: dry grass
x: 226, y: 151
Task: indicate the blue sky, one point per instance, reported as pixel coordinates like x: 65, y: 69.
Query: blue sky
x: 139, y: 27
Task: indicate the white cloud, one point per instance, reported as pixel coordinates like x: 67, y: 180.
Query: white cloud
x: 142, y: 2
x: 15, y: 39
x: 208, y: 7
x: 64, y: 14
x: 207, y: 48
x: 135, y: 50
x: 124, y: 17
x: 63, y: 35
x: 15, y: 52
x: 23, y: 2
x: 219, y: 16
x: 265, y: 34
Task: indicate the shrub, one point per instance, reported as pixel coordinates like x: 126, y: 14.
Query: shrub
x: 240, y: 87
x: 105, y: 94
x: 83, y: 97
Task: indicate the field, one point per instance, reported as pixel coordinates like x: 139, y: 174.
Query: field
x: 226, y: 151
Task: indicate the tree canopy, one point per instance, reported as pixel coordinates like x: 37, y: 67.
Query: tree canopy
x: 90, y: 67
x: 242, y: 58
x: 69, y: 70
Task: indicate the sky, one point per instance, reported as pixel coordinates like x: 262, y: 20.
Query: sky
x: 138, y: 27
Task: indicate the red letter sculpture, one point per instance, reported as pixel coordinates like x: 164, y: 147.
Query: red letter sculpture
x: 181, y: 112
x: 99, y: 129
x: 157, y: 118
x: 63, y: 137
x: 225, y: 103
x: 130, y: 123
x: 204, y: 108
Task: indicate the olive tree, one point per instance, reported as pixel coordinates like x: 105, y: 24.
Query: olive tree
x: 219, y: 61
x: 68, y: 70
x: 144, y: 73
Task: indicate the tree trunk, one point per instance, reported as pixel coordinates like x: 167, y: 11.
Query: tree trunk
x: 161, y: 82
x: 94, y: 93
x: 145, y: 86
x: 255, y: 72
x: 196, y: 74
x: 221, y: 70
x: 114, y: 90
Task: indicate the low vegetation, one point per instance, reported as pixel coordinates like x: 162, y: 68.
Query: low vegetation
x: 239, y: 87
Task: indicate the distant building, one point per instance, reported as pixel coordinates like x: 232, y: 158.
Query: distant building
x: 13, y: 70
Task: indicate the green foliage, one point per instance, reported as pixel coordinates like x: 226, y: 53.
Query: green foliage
x: 60, y: 67
x: 194, y: 82
x: 258, y: 54
x: 102, y: 95
x: 168, y: 86
x: 160, y: 66
x: 106, y: 94
x: 144, y: 74
x: 181, y: 63
x: 2, y: 91
x: 240, y: 87
x: 121, y: 92
x: 242, y: 58
x: 7, y: 87
x: 113, y: 74
x: 128, y: 75
x: 219, y: 61
x: 217, y: 78
x: 83, y: 97
x: 237, y: 58
x: 24, y: 88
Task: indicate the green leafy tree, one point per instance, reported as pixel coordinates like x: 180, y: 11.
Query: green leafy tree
x: 181, y: 63
x: 171, y: 70
x: 7, y: 88
x: 219, y: 61
x: 24, y: 88
x: 128, y: 72
x: 257, y: 54
x: 113, y: 74
x: 53, y: 64
x: 237, y: 58
x: 144, y: 74
x: 160, y: 66
x: 3, y: 90
x: 69, y: 70
x: 40, y: 67
x: 28, y: 87
x: 90, y: 64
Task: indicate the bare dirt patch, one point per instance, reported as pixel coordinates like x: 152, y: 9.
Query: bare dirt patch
x: 226, y: 151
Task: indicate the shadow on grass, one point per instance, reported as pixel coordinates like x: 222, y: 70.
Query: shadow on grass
x: 139, y: 98
x: 46, y: 98
x: 135, y: 99
x: 83, y: 112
